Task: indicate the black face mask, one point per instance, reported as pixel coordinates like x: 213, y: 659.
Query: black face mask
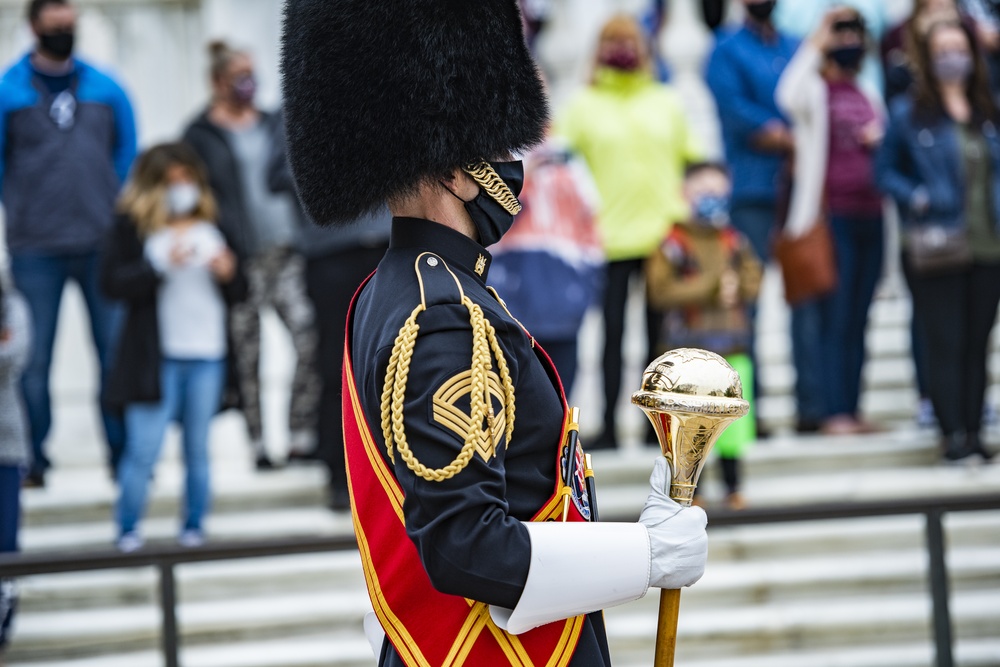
x: 490, y: 218
x: 762, y: 11
x: 848, y: 57
x: 57, y: 44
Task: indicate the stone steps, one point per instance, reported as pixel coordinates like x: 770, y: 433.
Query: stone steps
x: 770, y: 627
x: 741, y: 604
x: 825, y: 594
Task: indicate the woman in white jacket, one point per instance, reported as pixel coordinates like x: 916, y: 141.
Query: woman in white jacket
x: 838, y: 127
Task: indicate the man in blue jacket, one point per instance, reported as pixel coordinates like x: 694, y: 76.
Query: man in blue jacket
x: 67, y: 140
x: 743, y: 73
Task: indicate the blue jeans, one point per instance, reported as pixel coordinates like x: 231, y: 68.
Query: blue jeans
x: 41, y: 278
x: 191, y: 391
x: 859, y: 244
x: 757, y: 221
x: 10, y: 507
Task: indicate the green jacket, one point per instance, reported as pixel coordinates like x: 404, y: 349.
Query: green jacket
x: 636, y: 140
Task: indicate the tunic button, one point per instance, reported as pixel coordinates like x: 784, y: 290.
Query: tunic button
x: 432, y: 261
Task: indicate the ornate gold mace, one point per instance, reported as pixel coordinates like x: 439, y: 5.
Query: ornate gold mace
x: 691, y: 396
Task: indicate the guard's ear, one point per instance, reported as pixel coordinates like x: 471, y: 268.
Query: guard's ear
x: 460, y: 184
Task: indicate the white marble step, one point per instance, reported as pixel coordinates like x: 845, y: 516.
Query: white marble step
x: 115, y: 629
x: 196, y: 582
x: 814, y: 624
x: 296, y: 521
x: 967, y: 653
x: 736, y: 629
x: 328, y: 649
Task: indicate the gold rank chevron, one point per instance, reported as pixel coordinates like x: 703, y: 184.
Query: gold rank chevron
x: 448, y: 414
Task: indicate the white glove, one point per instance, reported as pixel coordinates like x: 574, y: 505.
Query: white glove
x: 677, y: 539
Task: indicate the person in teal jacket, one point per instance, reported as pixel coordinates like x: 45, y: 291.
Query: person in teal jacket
x: 636, y: 140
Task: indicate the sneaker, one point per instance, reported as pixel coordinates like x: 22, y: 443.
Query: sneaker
x: 264, y: 464
x: 925, y: 414
x: 735, y: 501
x: 130, y: 542
x: 191, y: 538
x: 955, y: 448
x: 33, y: 480
x: 296, y: 456
x: 975, y: 446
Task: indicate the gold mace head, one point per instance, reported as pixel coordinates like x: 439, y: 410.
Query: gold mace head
x: 691, y: 396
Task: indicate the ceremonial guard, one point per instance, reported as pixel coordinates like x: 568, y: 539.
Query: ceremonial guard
x: 467, y: 482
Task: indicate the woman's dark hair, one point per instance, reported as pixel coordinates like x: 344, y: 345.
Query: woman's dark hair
x: 220, y: 55
x: 928, y: 104
x: 35, y: 7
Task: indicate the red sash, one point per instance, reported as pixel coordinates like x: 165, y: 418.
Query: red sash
x: 429, y: 628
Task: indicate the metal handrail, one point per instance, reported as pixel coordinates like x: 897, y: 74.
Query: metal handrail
x: 166, y: 558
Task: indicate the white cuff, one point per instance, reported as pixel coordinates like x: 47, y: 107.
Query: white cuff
x: 578, y: 568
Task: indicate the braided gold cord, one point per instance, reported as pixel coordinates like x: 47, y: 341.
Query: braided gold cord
x: 504, y: 372
x: 490, y: 181
x: 481, y: 405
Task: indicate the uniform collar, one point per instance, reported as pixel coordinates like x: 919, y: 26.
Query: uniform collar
x: 457, y: 249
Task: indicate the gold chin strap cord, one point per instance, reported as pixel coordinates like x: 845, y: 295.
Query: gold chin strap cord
x: 484, y: 341
x: 490, y: 181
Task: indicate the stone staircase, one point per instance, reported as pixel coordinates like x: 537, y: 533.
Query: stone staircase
x: 832, y: 593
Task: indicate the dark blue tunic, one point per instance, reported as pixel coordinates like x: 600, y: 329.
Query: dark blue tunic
x: 468, y: 529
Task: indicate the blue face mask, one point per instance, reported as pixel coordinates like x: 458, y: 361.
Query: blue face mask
x: 711, y: 210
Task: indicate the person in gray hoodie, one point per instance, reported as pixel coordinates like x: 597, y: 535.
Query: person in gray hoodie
x: 15, y: 451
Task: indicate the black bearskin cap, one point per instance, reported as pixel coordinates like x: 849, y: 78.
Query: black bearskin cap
x: 380, y: 94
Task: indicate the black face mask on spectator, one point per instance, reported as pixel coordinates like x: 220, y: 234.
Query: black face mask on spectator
x: 762, y: 11
x: 848, y: 57
x: 57, y: 44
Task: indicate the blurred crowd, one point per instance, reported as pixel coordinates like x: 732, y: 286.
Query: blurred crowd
x: 834, y: 125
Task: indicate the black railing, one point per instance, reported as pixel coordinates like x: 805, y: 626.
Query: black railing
x: 165, y: 559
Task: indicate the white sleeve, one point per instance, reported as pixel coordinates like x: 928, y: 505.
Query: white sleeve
x: 578, y: 568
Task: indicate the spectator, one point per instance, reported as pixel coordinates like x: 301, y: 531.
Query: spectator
x: 743, y: 74
x: 941, y: 163
x: 548, y: 266
x: 801, y: 18
x: 15, y: 450
x: 338, y: 259
x: 706, y: 277
x: 898, y: 48
x: 636, y: 141
x: 899, y: 44
x: 235, y: 139
x: 842, y: 122
x: 654, y: 22
x: 67, y: 139
x: 535, y: 15
x: 986, y: 14
x: 713, y: 13
x: 171, y: 265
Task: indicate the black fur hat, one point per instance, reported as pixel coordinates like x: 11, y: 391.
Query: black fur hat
x: 380, y: 94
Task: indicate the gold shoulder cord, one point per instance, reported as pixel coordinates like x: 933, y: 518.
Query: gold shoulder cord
x: 484, y: 341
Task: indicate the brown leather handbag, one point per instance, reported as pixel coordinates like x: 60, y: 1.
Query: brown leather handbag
x: 808, y: 265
